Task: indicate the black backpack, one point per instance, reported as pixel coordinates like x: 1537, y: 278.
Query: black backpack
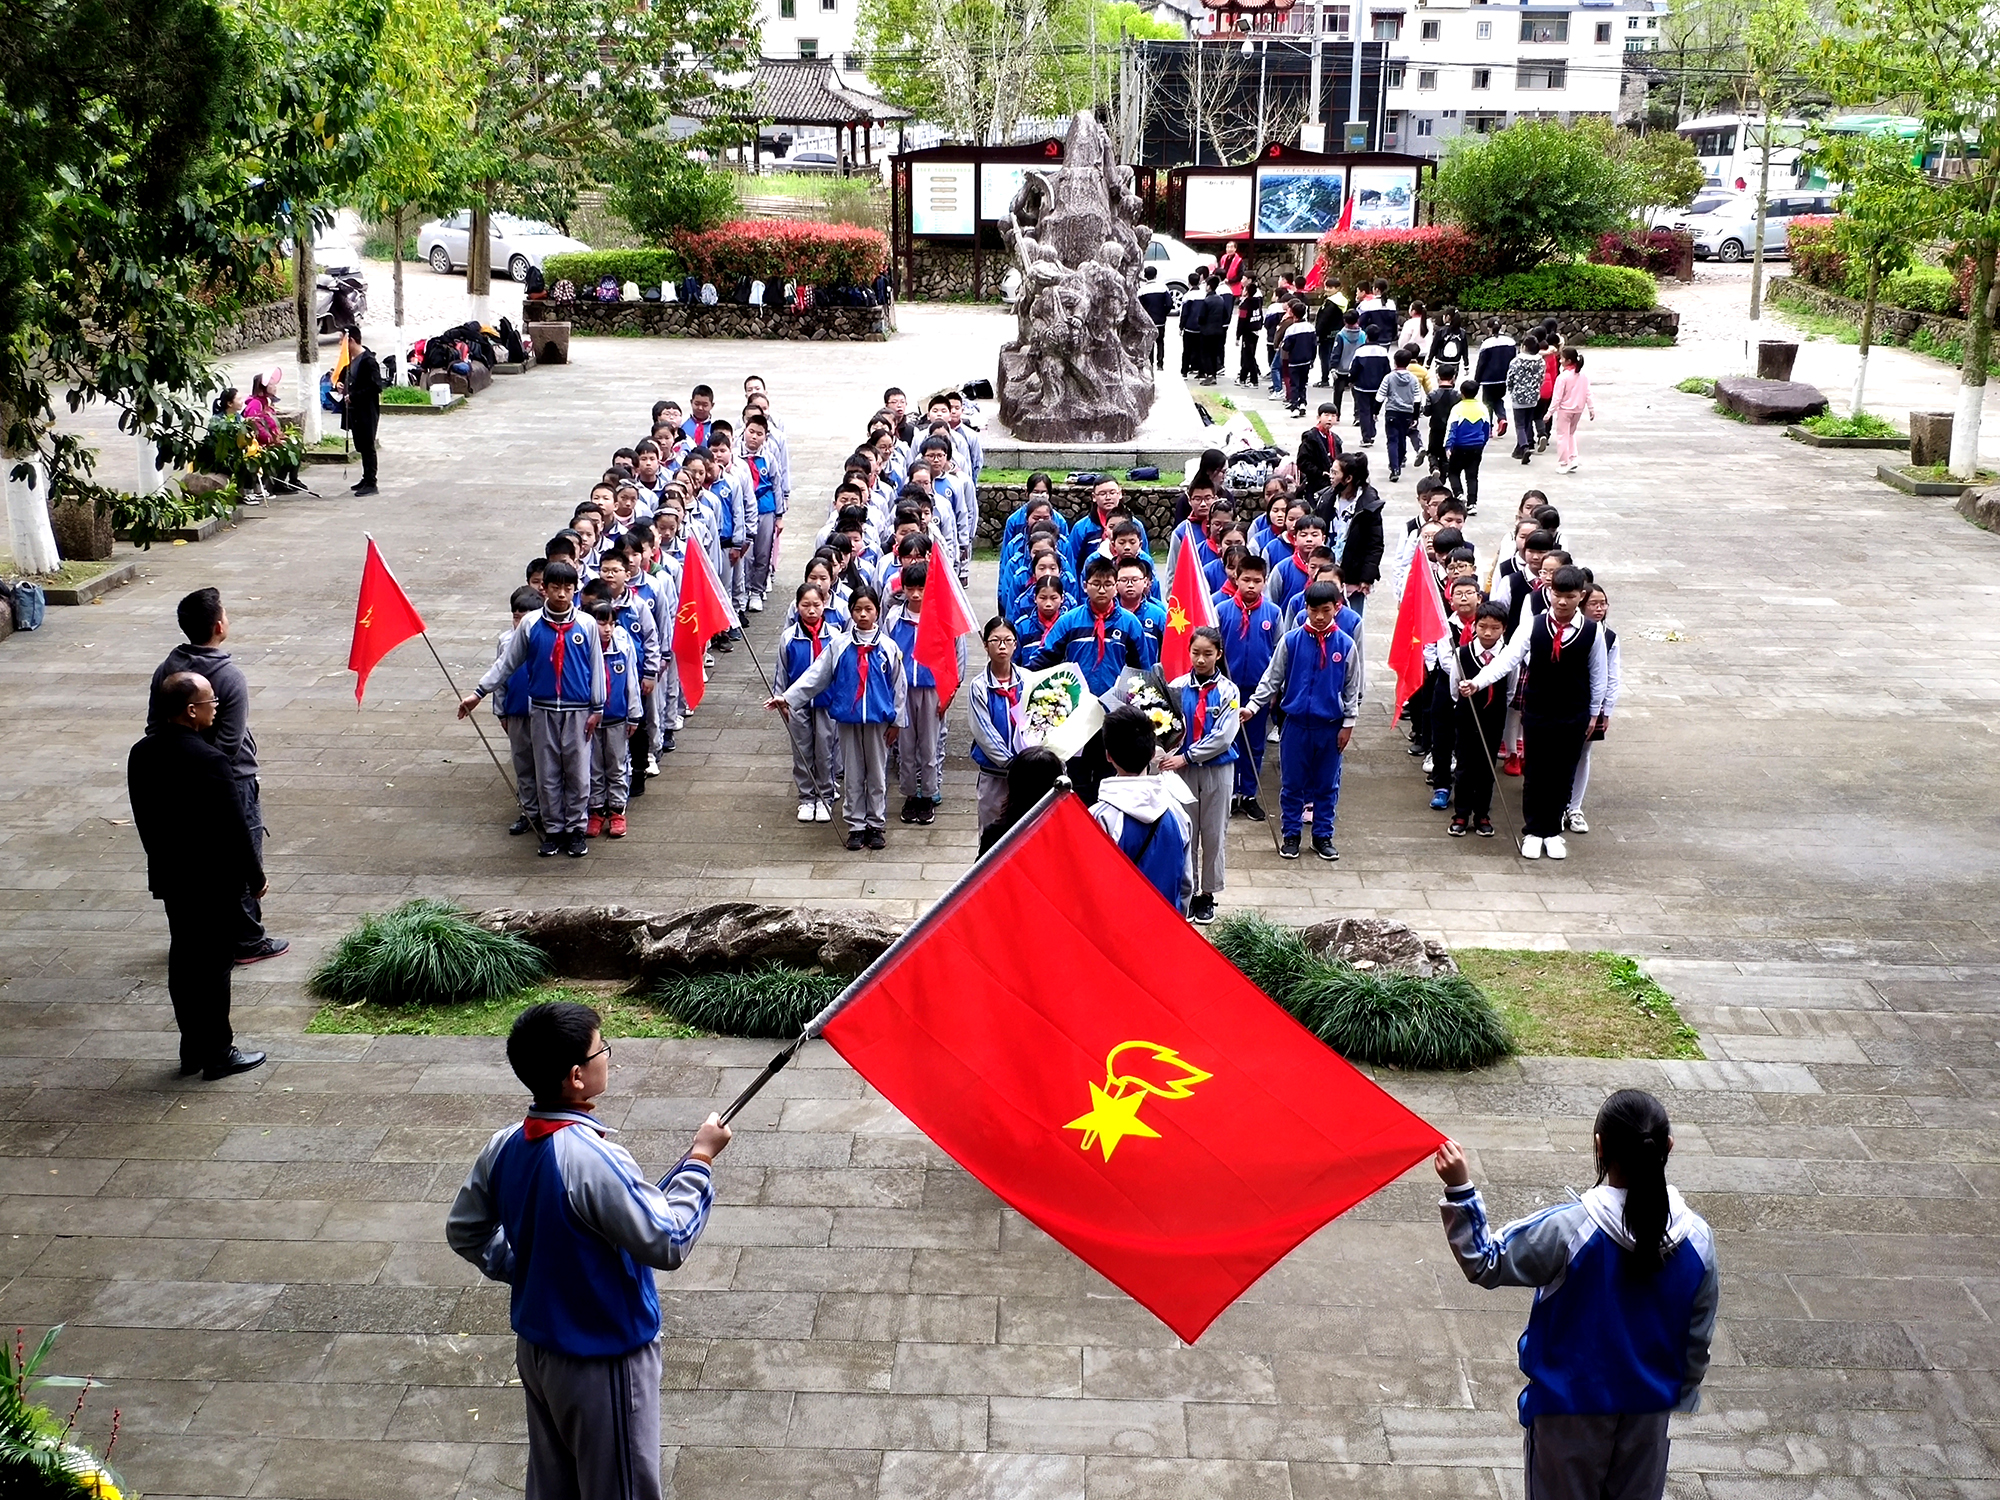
x: 533, y: 284
x: 510, y: 336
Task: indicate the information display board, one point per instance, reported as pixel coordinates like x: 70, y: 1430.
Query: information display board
x: 1217, y: 205
x: 1385, y: 197
x: 1298, y: 201
x: 941, y: 198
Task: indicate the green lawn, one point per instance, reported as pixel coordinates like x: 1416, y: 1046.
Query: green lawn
x: 1579, y: 1004
x: 623, y: 1015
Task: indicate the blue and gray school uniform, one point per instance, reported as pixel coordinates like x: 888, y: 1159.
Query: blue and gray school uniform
x: 1075, y: 637
x: 1152, y: 830
x: 920, y: 751
x: 1611, y: 1347
x: 1212, y: 711
x: 1311, y: 679
x: 862, y: 674
x: 566, y: 685
x: 815, y: 745
x: 1248, y: 639
x: 1152, y: 617
x: 570, y: 1224
x: 996, y: 736
x: 510, y: 707
x: 624, y: 710
x: 1030, y: 631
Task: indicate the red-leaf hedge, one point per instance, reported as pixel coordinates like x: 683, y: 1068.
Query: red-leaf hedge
x: 800, y: 250
x: 1816, y: 259
x: 1432, y: 264
x: 1655, y: 250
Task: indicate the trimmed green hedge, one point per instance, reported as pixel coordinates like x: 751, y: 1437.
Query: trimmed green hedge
x: 1571, y: 287
x: 585, y: 268
x: 1928, y: 289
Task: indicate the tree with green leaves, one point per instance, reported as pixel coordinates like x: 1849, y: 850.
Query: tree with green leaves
x: 1939, y: 60
x: 1539, y: 188
x: 570, y: 84
x: 426, y: 69
x: 1777, y: 35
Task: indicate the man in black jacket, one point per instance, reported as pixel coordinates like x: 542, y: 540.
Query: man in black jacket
x: 1357, y: 518
x: 361, y: 408
x: 206, y: 624
x: 200, y: 858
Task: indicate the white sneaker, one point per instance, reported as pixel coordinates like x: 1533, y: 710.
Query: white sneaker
x: 1577, y: 823
x: 1429, y: 761
x: 652, y: 766
x: 806, y: 811
x: 756, y: 605
x: 1531, y: 847
x: 822, y: 812
x: 1555, y: 848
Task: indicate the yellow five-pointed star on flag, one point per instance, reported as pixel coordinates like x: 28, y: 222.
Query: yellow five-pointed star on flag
x: 1111, y: 1119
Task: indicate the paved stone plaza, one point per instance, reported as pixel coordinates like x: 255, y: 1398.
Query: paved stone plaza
x: 1792, y: 825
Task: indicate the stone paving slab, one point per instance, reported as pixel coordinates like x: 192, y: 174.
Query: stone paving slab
x: 1792, y: 829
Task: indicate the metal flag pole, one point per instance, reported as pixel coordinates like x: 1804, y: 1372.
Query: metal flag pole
x: 1488, y: 749
x: 891, y: 953
x: 769, y: 691
x: 505, y: 779
x: 1243, y: 749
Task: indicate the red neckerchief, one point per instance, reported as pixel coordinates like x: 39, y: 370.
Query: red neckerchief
x: 1213, y: 550
x: 861, y: 686
x: 1201, y: 692
x: 537, y: 1130
x: 814, y: 636
x: 1011, y: 691
x: 1555, y: 639
x: 1465, y: 639
x: 1243, y: 630
x: 1099, y: 623
x: 561, y: 648
x: 1322, y: 639
x: 1045, y: 621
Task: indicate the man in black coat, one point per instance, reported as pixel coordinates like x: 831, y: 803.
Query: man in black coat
x: 206, y: 625
x: 200, y: 858
x: 361, y: 406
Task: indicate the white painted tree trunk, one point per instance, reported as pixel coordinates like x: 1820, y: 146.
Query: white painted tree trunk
x: 29, y: 535
x: 482, y: 307
x: 1855, y: 407
x: 146, y: 456
x: 1965, y: 432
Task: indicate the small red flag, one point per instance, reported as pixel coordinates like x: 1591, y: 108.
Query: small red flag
x: 704, y: 614
x: 384, y: 618
x: 1316, y: 277
x: 1346, y: 223
x: 1189, y: 606
x: 945, y: 619
x: 1419, y: 623
x: 1129, y: 1091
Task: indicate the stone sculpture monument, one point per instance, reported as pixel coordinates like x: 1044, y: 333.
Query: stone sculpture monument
x: 1081, y: 369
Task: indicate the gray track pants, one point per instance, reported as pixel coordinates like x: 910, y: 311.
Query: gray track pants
x: 865, y: 754
x: 1211, y: 786
x: 920, y: 747
x: 992, y: 797
x: 760, y: 554
x: 521, y: 745
x: 610, y: 767
x: 562, y: 767
x: 593, y: 1424
x: 813, y: 754
x: 1597, y: 1457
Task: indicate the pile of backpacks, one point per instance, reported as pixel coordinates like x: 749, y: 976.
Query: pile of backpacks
x: 456, y: 349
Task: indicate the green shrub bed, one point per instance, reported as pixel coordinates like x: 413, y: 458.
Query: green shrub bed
x: 425, y: 953
x: 585, y: 268
x: 1567, y: 287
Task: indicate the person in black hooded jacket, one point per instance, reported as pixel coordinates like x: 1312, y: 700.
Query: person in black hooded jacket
x: 1353, y: 511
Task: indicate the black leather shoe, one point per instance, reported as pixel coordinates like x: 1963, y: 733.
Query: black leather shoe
x: 234, y: 1061
x: 188, y: 1069
x: 269, y: 947
x: 521, y: 826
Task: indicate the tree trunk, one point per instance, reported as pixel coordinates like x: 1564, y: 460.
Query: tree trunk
x: 1763, y: 203
x: 396, y: 259
x: 479, y: 255
x: 1978, y: 350
x: 1867, y: 335
x: 307, y: 367
x: 30, y: 536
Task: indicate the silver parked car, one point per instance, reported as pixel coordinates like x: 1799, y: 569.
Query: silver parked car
x: 517, y: 243
x: 1729, y: 232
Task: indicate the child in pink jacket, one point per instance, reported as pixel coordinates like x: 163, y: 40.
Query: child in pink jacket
x: 1568, y: 404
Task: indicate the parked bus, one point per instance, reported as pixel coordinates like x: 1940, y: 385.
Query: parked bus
x: 1731, y: 149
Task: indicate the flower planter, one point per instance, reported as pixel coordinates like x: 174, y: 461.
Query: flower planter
x: 426, y: 410
x: 91, y: 589
x: 1814, y: 440
x: 1909, y: 484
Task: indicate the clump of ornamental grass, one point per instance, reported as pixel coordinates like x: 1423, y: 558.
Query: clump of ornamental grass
x: 426, y: 953
x: 1366, y: 1015
x: 771, y: 1000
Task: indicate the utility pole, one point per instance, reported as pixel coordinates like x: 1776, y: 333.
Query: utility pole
x: 1358, y: 21
x: 1263, y: 74
x: 304, y: 284
x: 1315, y: 116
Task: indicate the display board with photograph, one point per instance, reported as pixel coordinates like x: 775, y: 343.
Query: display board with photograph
x: 1298, y: 201
x: 1218, y: 205
x: 999, y: 181
x: 1385, y: 197
x: 941, y: 198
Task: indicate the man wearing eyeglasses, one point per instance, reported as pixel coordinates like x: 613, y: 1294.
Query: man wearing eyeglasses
x: 200, y: 859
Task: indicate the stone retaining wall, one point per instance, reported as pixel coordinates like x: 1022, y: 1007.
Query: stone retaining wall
x: 1661, y: 321
x: 685, y: 320
x: 1893, y: 325
x: 263, y: 324
x: 1153, y: 504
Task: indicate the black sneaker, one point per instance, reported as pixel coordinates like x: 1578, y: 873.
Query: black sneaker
x: 359, y: 489
x: 1253, y: 810
x: 667, y: 743
x: 264, y: 948
x: 1483, y: 827
x: 1325, y: 850
x: 231, y: 1062
x: 550, y: 845
x: 577, y: 847
x: 1202, y: 910
x: 874, y: 838
x: 721, y: 643
x: 855, y: 840
x: 927, y: 809
x: 521, y: 825
x: 1290, y: 848
x: 1235, y: 807
x: 909, y: 812
x: 1459, y: 828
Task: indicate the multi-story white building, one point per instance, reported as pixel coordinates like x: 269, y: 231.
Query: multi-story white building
x: 809, y: 29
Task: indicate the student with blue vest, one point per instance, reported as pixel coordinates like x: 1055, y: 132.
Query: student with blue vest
x: 864, y: 674
x: 1626, y: 1291
x: 1250, y: 629
x: 611, y: 746
x: 568, y: 1221
x: 1312, y: 678
x: 993, y: 703
x: 510, y: 707
x: 814, y: 754
x: 1032, y: 627
x: 1291, y: 571
x: 1211, y: 711
x: 566, y: 689
x: 1098, y: 635
x: 920, y: 749
x: 1134, y: 807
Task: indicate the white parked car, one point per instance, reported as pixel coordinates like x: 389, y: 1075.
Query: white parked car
x: 1177, y: 264
x: 517, y: 243
x: 1730, y: 232
x: 1707, y: 201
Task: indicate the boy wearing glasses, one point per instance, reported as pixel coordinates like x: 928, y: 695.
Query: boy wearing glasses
x: 569, y: 1222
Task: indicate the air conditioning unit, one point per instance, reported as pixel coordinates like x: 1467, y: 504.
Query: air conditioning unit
x: 1390, y: 140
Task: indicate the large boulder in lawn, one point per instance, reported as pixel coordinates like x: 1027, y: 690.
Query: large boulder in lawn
x: 1769, y: 400
x: 617, y: 942
x: 1376, y: 943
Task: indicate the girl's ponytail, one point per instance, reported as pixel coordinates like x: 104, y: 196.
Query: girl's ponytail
x: 1632, y: 1133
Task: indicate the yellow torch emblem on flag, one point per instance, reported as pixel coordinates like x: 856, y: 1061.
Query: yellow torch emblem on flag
x: 1114, y: 1108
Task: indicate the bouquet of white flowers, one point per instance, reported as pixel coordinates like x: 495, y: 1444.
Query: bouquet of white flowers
x: 1057, y: 710
x: 1148, y: 692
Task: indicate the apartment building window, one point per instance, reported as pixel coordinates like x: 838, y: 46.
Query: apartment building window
x: 1334, y: 20
x: 1652, y: 23
x: 1632, y: 24
x: 808, y: 48
x: 1432, y: 30
x: 1427, y: 78
x: 829, y: 4
x: 1482, y: 78
x: 1484, y: 124
x: 1603, y: 31
x: 1392, y: 76
x: 1635, y: 44
x: 1388, y: 28
x: 1424, y: 126
x: 1483, y: 31
x: 1541, y: 75
x: 788, y: 10
x: 1543, y: 30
